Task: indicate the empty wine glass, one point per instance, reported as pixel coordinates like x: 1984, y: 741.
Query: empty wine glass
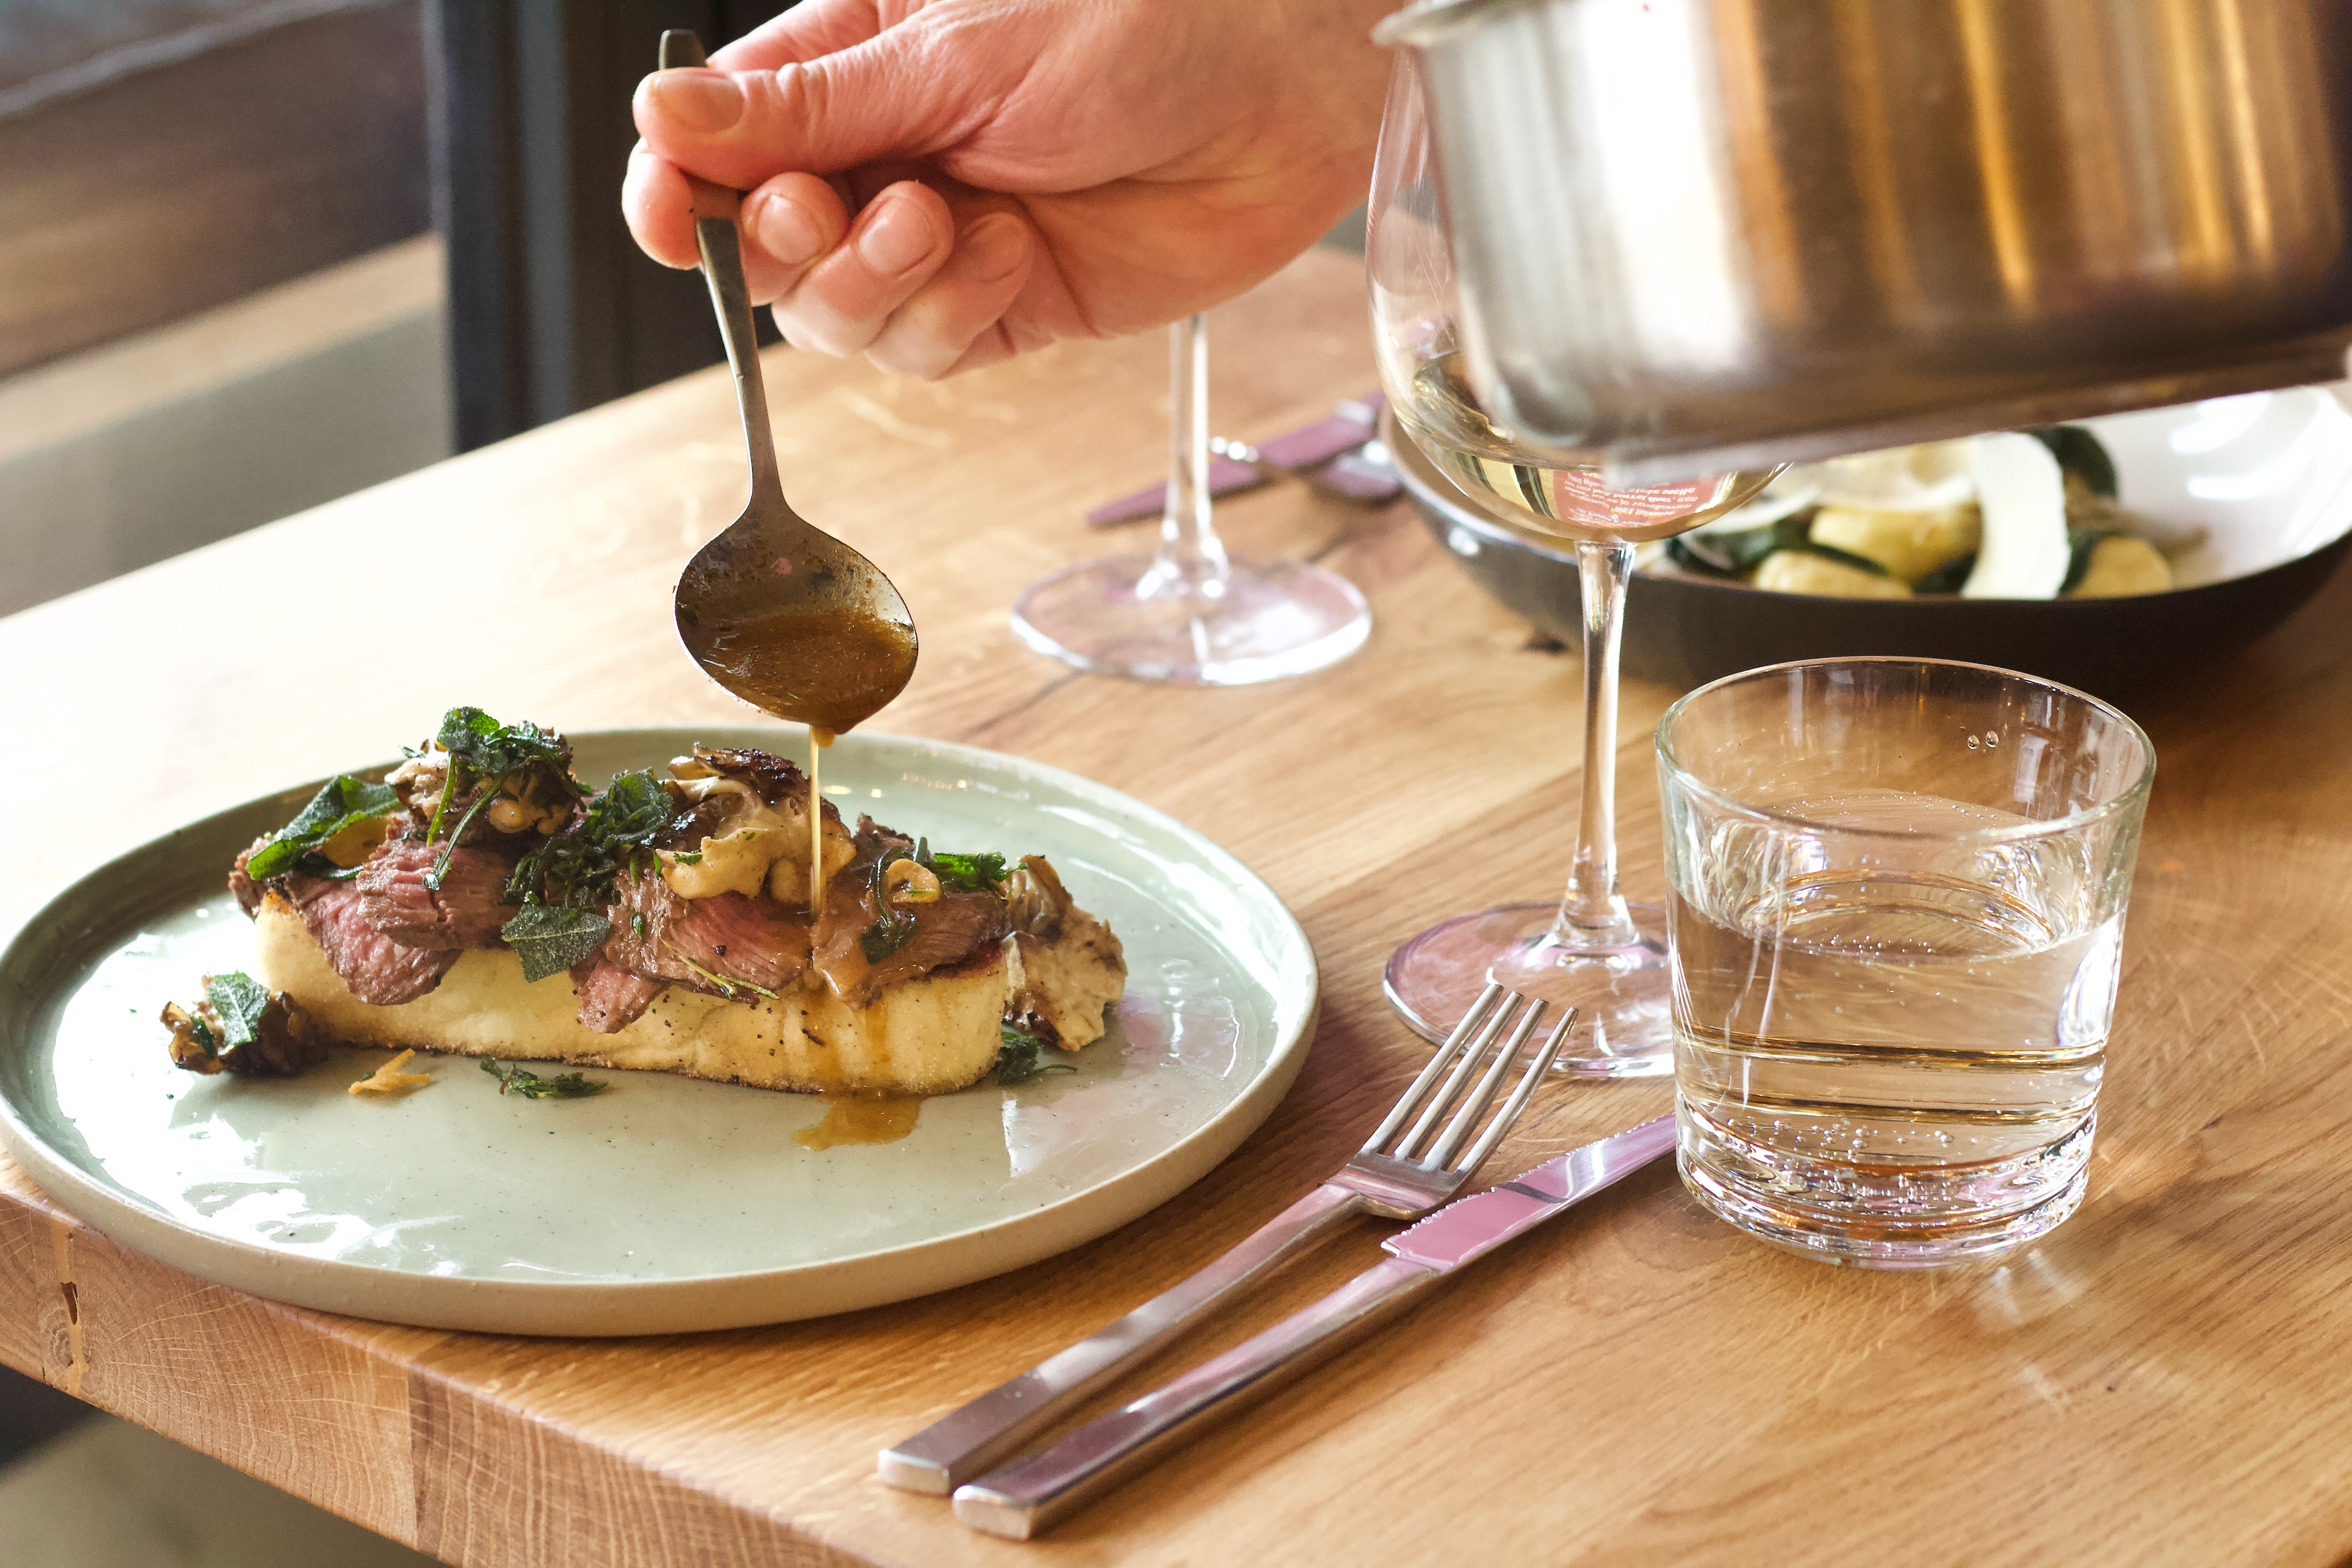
x: 1591, y: 950
x: 1187, y: 612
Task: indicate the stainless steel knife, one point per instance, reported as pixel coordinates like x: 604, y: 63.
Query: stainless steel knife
x: 1029, y: 1495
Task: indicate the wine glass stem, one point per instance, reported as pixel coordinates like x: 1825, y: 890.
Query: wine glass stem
x: 1191, y: 557
x: 1592, y: 914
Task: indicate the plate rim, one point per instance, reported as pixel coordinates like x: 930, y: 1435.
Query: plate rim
x: 610, y: 1308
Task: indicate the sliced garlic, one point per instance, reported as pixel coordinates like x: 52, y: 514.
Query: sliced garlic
x: 2023, y: 492
x: 905, y: 882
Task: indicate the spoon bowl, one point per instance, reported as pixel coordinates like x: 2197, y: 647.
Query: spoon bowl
x: 779, y: 612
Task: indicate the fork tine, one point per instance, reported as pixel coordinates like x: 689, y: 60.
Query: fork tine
x: 1519, y: 1096
x: 1465, y: 1120
x: 1410, y: 1100
x: 1448, y: 1092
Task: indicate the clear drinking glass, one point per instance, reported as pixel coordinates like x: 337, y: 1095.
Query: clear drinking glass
x: 1897, y: 891
x: 1187, y: 612
x: 1590, y: 950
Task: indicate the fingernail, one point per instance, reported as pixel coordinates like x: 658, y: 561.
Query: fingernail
x: 898, y: 236
x: 994, y: 247
x: 785, y: 232
x: 703, y: 101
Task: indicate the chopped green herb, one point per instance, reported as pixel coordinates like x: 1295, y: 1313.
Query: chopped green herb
x: 688, y: 858
x: 202, y: 1034
x: 637, y: 926
x: 483, y: 752
x: 482, y: 746
x: 579, y: 865
x: 728, y: 984
x: 551, y: 938
x: 239, y: 999
x: 531, y: 1086
x: 966, y: 873
x: 1020, y: 1056
x: 343, y: 802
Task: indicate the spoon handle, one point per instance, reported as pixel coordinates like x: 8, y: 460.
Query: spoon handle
x: 721, y: 247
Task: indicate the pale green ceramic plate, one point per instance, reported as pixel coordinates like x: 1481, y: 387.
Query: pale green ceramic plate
x: 661, y: 1204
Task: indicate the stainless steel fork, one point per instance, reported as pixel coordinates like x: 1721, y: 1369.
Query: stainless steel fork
x: 1399, y: 1173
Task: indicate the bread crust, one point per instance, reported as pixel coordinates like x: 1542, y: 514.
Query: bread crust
x: 930, y: 1035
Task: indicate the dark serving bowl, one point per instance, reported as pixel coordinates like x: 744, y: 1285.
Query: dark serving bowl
x: 2269, y: 478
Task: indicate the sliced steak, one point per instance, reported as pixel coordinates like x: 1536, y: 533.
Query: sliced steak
x: 947, y: 931
x: 466, y: 911
x: 704, y: 943
x: 611, y: 998
x: 376, y: 969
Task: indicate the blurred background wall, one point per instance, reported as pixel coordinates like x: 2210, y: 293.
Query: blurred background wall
x: 257, y: 253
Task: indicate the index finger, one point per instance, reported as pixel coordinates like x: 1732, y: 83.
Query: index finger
x: 811, y: 29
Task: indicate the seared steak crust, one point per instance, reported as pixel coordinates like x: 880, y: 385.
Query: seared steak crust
x: 248, y: 892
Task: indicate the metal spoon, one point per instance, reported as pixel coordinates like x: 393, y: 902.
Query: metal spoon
x: 774, y: 609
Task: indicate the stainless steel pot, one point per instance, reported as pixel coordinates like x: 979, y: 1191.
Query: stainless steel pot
x: 1694, y: 235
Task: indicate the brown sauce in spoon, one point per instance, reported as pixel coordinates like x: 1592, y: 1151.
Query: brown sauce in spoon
x: 830, y: 670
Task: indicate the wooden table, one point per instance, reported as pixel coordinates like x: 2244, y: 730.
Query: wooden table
x: 2164, y: 1379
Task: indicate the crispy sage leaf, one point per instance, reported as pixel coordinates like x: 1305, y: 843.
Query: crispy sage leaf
x: 344, y: 801
x: 552, y: 938
x: 239, y: 999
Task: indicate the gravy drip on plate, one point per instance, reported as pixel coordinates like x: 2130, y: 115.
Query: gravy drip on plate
x: 862, y: 1118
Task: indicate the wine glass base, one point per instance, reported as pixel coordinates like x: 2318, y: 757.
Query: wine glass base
x: 1256, y: 623
x: 1622, y: 995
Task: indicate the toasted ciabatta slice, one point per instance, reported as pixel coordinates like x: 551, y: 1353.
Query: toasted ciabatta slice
x: 928, y: 1036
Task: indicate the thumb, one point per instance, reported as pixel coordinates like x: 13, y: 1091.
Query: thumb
x: 869, y: 102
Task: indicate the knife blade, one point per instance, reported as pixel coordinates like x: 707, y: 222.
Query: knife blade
x: 1470, y: 1228
x: 1031, y: 1494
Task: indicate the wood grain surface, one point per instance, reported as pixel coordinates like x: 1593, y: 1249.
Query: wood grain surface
x: 2162, y: 1380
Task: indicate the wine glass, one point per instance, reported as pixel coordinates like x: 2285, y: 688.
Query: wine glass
x: 1187, y: 612
x: 1591, y: 950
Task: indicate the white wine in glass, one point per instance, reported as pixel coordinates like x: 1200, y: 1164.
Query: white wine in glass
x: 1590, y: 950
x: 1444, y: 420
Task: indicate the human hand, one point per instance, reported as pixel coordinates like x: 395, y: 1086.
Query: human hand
x: 943, y: 183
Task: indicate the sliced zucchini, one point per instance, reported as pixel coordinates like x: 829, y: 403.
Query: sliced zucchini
x: 2117, y: 565
x: 1909, y: 544
x: 2079, y: 454
x: 1820, y: 572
